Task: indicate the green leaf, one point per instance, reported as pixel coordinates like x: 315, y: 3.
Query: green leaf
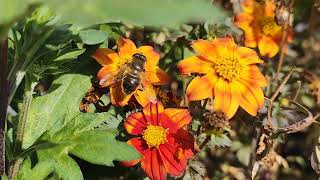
x: 142, y: 12
x: 70, y: 55
x: 101, y: 147
x: 243, y: 155
x: 40, y: 171
x: 64, y: 166
x: 221, y: 140
x: 64, y: 96
x: 92, y: 36
x: 315, y: 158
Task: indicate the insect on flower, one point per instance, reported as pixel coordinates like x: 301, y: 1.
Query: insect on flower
x: 163, y: 142
x: 131, y: 71
x: 229, y: 74
x: 258, y: 21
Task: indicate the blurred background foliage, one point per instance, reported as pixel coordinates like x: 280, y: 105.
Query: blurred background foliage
x: 50, y: 43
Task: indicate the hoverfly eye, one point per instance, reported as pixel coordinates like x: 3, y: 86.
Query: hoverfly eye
x: 140, y: 56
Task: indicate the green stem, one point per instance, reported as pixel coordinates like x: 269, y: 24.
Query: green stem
x: 14, y: 167
x: 20, y: 67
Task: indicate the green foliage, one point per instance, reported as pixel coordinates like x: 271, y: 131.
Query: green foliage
x: 220, y: 139
x: 141, y: 12
x: 69, y: 131
x: 92, y: 36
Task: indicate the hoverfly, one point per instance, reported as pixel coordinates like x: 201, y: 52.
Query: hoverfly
x: 130, y: 75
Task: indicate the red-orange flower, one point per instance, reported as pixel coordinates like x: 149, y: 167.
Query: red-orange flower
x: 229, y: 74
x: 163, y: 142
x: 260, y: 27
x: 112, y: 62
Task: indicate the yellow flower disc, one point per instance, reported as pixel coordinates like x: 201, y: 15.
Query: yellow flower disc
x: 155, y: 136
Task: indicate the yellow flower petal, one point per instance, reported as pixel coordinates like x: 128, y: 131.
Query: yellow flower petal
x: 194, y: 64
x: 201, y: 87
x: 251, y: 98
x: 226, y: 98
x: 151, y: 55
x: 248, y: 56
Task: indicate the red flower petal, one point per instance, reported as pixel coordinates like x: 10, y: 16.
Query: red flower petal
x: 135, y: 124
x: 174, y: 119
x: 153, y: 166
x: 139, y: 144
x: 172, y: 163
x: 153, y: 112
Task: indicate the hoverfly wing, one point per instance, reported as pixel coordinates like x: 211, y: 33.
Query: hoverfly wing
x: 114, y: 77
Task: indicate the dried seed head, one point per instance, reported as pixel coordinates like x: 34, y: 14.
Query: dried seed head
x: 214, y: 121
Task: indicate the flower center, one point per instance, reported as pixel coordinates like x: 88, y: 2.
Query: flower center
x: 269, y: 26
x: 155, y: 136
x: 229, y: 68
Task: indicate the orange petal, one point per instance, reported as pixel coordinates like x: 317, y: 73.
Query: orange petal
x: 126, y: 48
x: 135, y: 124
x: 151, y: 55
x: 250, y: 37
x: 173, y: 165
x: 153, y: 112
x: 153, y: 166
x: 157, y: 76
x: 226, y: 98
x: 194, y: 64
x: 248, y: 56
x: 267, y: 46
x: 203, y: 47
x: 251, y: 98
x: 223, y: 47
x: 254, y: 77
x: 146, y: 95
x: 117, y: 96
x: 269, y: 8
x: 243, y: 20
x: 201, y: 87
x: 130, y: 163
x: 106, y: 73
x: 174, y: 119
x: 105, y: 56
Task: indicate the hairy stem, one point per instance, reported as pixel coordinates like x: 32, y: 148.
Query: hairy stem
x: 14, y: 167
x: 3, y: 99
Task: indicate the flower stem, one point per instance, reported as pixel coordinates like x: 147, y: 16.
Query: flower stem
x: 3, y: 99
x: 14, y: 167
x: 204, y: 143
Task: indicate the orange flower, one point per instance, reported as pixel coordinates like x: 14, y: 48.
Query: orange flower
x: 229, y: 74
x: 163, y: 143
x: 260, y: 27
x: 115, y: 64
